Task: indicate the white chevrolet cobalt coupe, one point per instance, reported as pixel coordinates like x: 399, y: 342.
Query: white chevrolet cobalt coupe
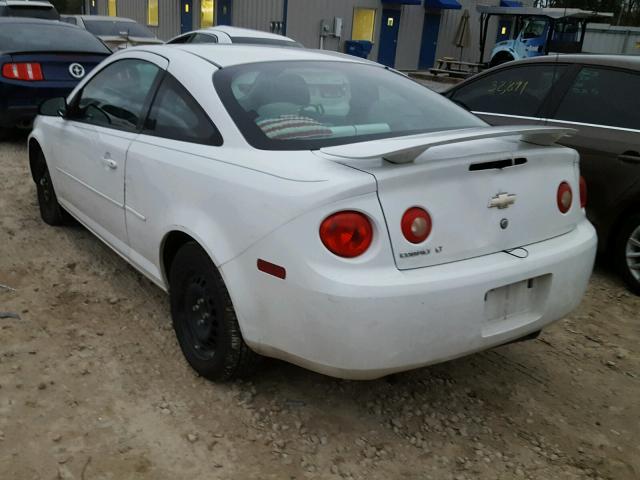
x: 316, y: 208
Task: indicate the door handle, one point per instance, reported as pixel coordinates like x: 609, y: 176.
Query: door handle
x: 111, y: 163
x: 629, y: 157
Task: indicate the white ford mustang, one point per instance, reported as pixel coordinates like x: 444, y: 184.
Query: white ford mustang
x: 315, y: 208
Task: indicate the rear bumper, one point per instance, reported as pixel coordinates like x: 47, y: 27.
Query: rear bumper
x: 374, y: 323
x: 19, y: 104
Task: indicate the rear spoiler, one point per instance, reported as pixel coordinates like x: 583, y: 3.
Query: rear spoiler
x: 407, y: 149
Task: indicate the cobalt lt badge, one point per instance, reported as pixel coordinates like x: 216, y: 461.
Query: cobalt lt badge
x: 76, y: 70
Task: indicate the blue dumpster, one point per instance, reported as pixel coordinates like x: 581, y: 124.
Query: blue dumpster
x: 358, y: 48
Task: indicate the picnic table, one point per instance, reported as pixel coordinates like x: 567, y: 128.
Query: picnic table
x: 455, y: 68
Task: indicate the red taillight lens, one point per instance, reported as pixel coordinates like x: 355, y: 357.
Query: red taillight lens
x: 347, y: 234
x: 565, y: 197
x: 416, y: 225
x: 583, y: 192
x: 31, y: 72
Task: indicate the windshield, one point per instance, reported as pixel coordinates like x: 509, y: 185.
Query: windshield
x: 307, y: 105
x: 534, y: 28
x: 48, y: 37
x: 48, y: 13
x: 114, y: 27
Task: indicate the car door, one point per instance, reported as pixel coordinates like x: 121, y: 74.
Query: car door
x: 531, y: 40
x: 511, y: 95
x: 177, y: 140
x: 603, y: 105
x: 92, y: 143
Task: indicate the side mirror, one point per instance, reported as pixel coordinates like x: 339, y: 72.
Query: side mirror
x: 54, y: 107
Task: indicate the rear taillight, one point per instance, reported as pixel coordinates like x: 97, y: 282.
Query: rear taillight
x: 564, y: 197
x: 416, y: 224
x: 30, y: 72
x: 583, y: 192
x: 347, y: 234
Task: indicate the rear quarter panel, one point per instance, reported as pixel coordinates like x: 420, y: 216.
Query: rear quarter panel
x: 201, y: 191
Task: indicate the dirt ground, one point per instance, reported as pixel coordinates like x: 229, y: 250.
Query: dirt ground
x: 94, y: 386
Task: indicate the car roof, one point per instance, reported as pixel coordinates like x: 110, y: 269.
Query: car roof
x: 39, y: 21
x: 226, y: 55
x: 26, y: 3
x: 623, y: 61
x: 245, y: 32
x: 103, y: 18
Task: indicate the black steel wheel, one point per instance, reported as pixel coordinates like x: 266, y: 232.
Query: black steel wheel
x: 204, y: 318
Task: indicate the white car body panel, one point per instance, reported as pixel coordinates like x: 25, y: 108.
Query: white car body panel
x: 458, y: 199
x: 353, y: 318
x: 369, y: 320
x: 224, y: 34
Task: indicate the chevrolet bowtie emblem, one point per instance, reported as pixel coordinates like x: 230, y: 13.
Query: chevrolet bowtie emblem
x: 502, y: 200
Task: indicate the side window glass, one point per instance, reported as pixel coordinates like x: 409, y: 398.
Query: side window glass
x: 203, y: 38
x: 602, y: 97
x: 115, y: 97
x: 175, y: 114
x: 182, y: 39
x: 510, y: 91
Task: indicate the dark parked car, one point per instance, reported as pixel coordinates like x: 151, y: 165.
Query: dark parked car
x: 28, y: 8
x: 598, y: 95
x: 40, y: 59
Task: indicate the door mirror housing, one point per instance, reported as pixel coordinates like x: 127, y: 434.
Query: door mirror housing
x: 54, y: 107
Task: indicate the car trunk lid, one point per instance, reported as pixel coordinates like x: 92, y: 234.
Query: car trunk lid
x: 485, y: 189
x: 61, y: 67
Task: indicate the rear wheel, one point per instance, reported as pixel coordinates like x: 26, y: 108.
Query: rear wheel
x: 50, y: 210
x: 627, y: 252
x: 204, y: 318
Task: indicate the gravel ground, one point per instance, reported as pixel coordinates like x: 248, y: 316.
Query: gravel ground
x: 93, y: 386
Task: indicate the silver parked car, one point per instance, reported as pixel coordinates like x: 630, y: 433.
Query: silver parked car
x: 227, y: 34
x: 115, y: 32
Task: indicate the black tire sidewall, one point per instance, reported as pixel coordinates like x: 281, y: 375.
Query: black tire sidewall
x: 50, y: 210
x: 619, y: 254
x: 190, y: 261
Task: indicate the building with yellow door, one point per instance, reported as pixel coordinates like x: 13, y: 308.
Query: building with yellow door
x: 406, y: 34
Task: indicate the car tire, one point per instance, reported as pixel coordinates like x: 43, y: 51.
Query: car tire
x: 204, y: 319
x: 50, y: 210
x: 627, y: 245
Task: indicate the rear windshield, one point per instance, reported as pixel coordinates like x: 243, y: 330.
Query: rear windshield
x: 114, y: 27
x: 307, y: 105
x: 266, y: 41
x: 48, y: 37
x: 48, y: 13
